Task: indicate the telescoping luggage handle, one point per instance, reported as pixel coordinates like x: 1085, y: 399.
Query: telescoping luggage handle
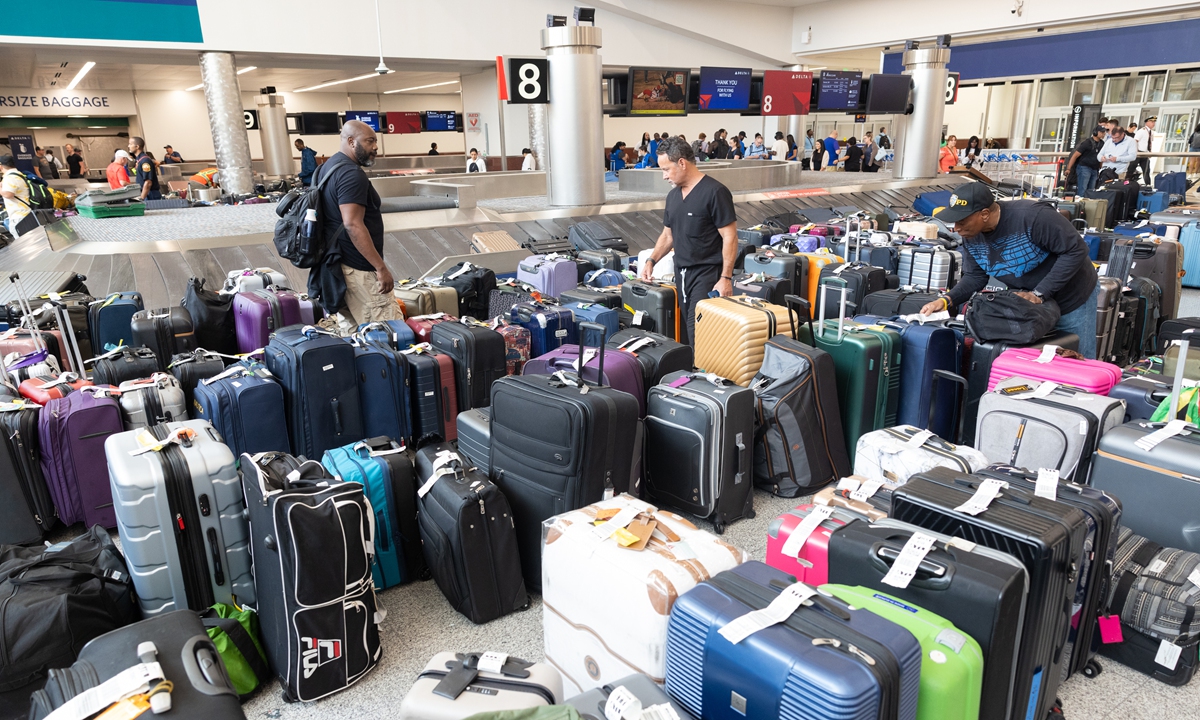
x: 845, y: 288
x: 602, y: 333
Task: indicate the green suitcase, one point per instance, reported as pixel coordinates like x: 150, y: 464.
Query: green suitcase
x: 951, y: 661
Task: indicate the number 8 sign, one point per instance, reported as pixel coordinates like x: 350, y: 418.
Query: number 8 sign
x: 529, y: 81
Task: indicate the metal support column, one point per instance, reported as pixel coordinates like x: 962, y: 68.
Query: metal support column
x: 919, y: 137
x: 575, y: 118
x: 537, y: 136
x: 231, y: 144
x: 276, y: 145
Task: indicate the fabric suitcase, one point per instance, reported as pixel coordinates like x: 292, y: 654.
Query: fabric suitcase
x: 258, y: 313
x: 591, y: 645
x: 1141, y: 651
x: 605, y: 258
x: 184, y: 654
x: 26, y: 508
x: 473, y: 286
x: 699, y: 447
x: 510, y: 292
x: 608, y: 297
x: 891, y: 303
x: 517, y: 340
x: 557, y: 442
x: 422, y: 325
x: 192, y: 368
x: 434, y: 393
x: 1150, y: 591
x: 468, y: 536
x: 110, y: 320
x: 155, y: 400
x: 891, y: 457
x: 126, y: 363
x: 655, y: 307
x: 658, y: 354
x: 1172, y: 183
x: 1152, y: 202
x: 1094, y: 376
x: 480, y: 358
x: 602, y: 278
x: 453, y: 686
x: 549, y: 326
x: 166, y: 331
x: 806, y: 558
x: 598, y: 314
x: 1047, y: 536
x: 980, y: 590
x: 763, y: 287
x: 591, y: 704
x: 251, y: 279
x: 312, y: 544
x: 320, y: 388
x: 384, y: 469
x: 731, y: 334
x: 383, y: 390
x: 1059, y: 431
x: 422, y: 298
x: 494, y: 241
x: 180, y: 516
x: 475, y: 438
x: 595, y: 236
x: 76, y: 426
x: 550, y: 274
x: 1173, y: 329
x: 780, y: 671
x: 246, y: 408
x: 623, y: 371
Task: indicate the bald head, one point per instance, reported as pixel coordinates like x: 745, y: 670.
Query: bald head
x: 359, y: 142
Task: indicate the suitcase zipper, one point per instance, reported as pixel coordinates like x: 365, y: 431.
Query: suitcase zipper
x: 487, y: 533
x: 189, y: 541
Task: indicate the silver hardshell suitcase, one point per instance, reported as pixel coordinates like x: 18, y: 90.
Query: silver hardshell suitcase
x: 181, y: 517
x: 591, y: 704
x: 1108, y: 307
x: 929, y: 267
x: 454, y: 686
x: 152, y: 401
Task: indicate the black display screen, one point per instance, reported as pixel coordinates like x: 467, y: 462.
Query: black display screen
x: 838, y: 89
x: 888, y: 93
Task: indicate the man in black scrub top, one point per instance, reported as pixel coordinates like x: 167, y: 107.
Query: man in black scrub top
x: 701, y: 226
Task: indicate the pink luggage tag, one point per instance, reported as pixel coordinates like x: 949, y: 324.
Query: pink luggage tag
x: 1110, y: 629
x: 679, y: 382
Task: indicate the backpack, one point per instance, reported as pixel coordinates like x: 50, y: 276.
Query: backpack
x: 1004, y: 316
x: 290, y: 243
x: 41, y: 197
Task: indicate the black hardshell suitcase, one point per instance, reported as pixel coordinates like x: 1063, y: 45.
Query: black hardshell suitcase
x: 605, y: 258
x: 557, y: 443
x: 658, y: 304
x: 1047, y: 536
x: 1127, y: 340
x: 861, y: 279
x: 166, y: 331
x: 1149, y: 296
x: 434, y: 400
x: 126, y: 363
x: 26, y: 509
x: 596, y: 296
x: 479, y: 355
x: 595, y: 236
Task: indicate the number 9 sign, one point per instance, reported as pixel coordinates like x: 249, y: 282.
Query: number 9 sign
x: 528, y: 81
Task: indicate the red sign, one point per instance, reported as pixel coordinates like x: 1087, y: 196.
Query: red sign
x: 403, y: 122
x: 501, y: 83
x: 806, y: 192
x: 786, y: 92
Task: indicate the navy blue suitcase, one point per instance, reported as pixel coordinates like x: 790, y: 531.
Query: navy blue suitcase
x: 395, y: 334
x: 383, y: 390
x: 549, y: 326
x: 1142, y: 395
x: 110, y: 320
x: 320, y: 388
x: 926, y: 203
x: 599, y: 314
x: 825, y: 661
x: 246, y: 407
x: 434, y: 406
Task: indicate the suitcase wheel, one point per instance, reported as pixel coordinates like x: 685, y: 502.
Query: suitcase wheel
x: 719, y: 526
x: 1092, y: 669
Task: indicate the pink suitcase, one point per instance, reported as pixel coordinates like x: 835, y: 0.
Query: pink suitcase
x: 258, y: 313
x: 1092, y: 376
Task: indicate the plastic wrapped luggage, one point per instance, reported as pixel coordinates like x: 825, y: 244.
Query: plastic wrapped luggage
x: 595, y: 236
x: 110, y: 319
x: 247, y: 409
x: 152, y: 401
x: 166, y: 331
x: 179, y: 507
x: 590, y: 644
x: 893, y: 455
x: 479, y: 354
x: 258, y: 313
x: 454, y: 686
x: 76, y: 426
x: 550, y: 274
x: 731, y: 334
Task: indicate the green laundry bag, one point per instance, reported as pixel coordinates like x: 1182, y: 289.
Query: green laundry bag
x: 235, y: 633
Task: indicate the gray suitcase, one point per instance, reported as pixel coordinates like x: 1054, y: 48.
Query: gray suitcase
x: 1108, y: 307
x: 475, y: 437
x: 591, y: 703
x: 152, y: 401
x: 181, y: 518
x: 454, y: 686
x: 1058, y: 432
x: 929, y: 267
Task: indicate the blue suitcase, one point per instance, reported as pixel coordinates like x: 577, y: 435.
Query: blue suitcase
x: 395, y: 334
x: 110, y: 320
x: 825, y: 661
x: 1172, y: 183
x: 383, y: 390
x: 246, y: 407
x: 1140, y: 227
x: 549, y: 326
x: 605, y: 277
x: 320, y: 388
x: 1153, y: 202
x: 1189, y: 238
x: 926, y: 203
x: 599, y: 314
x: 386, y: 473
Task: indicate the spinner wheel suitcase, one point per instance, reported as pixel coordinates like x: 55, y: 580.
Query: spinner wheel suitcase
x: 1142, y: 395
x: 591, y: 704
x: 394, y: 334
x: 180, y: 514
x: 762, y: 286
x: 605, y: 258
x: 930, y: 268
x: 494, y: 241
x: 247, y: 408
x: 1107, y: 310
x: 1157, y: 259
x: 383, y: 389
x: 43, y: 389
x: 608, y: 297
x: 454, y: 686
x: 776, y: 264
x: 434, y: 393
x: 1093, y: 376
x: 654, y: 307
x: 422, y: 325
x: 623, y: 371
x: 473, y: 286
x: 517, y: 340
x: 153, y: 401
x: 475, y: 437
x: 480, y: 358
x: 258, y: 313
x: 859, y: 279
x: 110, y: 319
x: 549, y: 326
x: 550, y: 274
x: 798, y: 541
x: 607, y: 317
x: 418, y: 297
x: 320, y: 388
x: 76, y: 426
x: 166, y: 331
x: 732, y: 332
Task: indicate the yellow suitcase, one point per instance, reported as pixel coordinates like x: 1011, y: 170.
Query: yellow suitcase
x: 732, y: 333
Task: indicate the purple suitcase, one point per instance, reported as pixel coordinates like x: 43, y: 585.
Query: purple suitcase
x: 258, y: 313
x: 75, y: 427
x: 551, y: 274
x: 621, y: 370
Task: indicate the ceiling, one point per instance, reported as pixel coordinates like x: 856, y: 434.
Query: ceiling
x: 781, y: 3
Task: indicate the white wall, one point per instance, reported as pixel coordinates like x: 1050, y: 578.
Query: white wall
x: 966, y: 116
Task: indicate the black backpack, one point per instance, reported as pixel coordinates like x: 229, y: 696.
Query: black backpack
x: 1004, y: 316
x: 40, y: 197
x: 290, y: 242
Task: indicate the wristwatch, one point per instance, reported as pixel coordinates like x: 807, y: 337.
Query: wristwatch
x: 1039, y: 295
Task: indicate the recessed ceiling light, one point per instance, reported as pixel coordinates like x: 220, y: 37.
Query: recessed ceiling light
x: 421, y: 87
x: 194, y: 87
x: 10, y: 116
x: 77, y: 116
x: 87, y: 66
x: 368, y: 76
x: 37, y: 127
x: 247, y: 69
x: 96, y: 127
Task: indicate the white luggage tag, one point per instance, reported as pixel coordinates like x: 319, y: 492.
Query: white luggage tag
x: 622, y: 705
x: 466, y: 267
x: 132, y: 681
x: 115, y: 351
x: 617, y: 522
x: 492, y: 662
x: 780, y: 609
x: 795, y: 542
x: 904, y: 569
x: 149, y: 443
x: 1047, y: 483
x: 632, y: 346
x: 1170, y: 430
x: 1048, y: 353
x: 65, y: 379
x: 441, y: 467
x: 988, y: 491
x: 867, y: 490
x: 1167, y: 655
x: 587, y: 358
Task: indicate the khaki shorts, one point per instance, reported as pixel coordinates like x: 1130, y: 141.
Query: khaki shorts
x: 363, y: 304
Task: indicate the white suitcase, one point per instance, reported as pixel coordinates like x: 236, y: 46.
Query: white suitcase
x: 248, y: 279
x: 895, y: 454
x: 479, y: 683
x: 606, y: 607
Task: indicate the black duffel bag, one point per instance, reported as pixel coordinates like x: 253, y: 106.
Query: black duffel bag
x: 212, y: 317
x: 1005, y: 316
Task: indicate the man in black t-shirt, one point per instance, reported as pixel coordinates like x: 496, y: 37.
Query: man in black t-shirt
x: 1085, y: 162
x: 701, y: 225
x: 75, y: 165
x: 353, y: 227
x: 1029, y: 247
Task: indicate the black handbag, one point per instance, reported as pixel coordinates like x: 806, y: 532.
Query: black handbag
x: 212, y: 317
x: 1005, y: 316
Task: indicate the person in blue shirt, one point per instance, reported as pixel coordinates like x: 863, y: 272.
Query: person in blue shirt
x: 758, y: 151
x: 170, y: 156
x: 831, y: 151
x: 146, y: 170
x: 308, y: 162
x: 617, y: 158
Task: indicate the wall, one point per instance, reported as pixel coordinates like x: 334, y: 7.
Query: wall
x: 966, y: 116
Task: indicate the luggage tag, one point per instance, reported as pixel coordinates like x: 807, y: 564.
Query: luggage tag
x: 1048, y: 353
x: 867, y: 490
x: 780, y: 609
x: 1047, y: 484
x: 988, y: 491
x: 621, y: 520
x: 149, y: 443
x: 795, y: 542
x: 660, y: 712
x: 1110, y: 629
x: 1168, y: 655
x: 1170, y: 430
x: 904, y: 569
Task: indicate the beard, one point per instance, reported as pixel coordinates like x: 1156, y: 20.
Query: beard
x: 364, y: 157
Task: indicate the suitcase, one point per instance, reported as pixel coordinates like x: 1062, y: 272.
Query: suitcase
x: 859, y: 279
x: 480, y: 358
x: 394, y: 334
x: 1153, y: 202
x: 251, y: 279
x: 43, y: 389
x: 258, y: 313
x: 584, y: 639
x: 110, y: 320
x: 603, y: 278
x: 320, y: 388
x: 608, y: 297
x: 623, y: 371
x: 699, y: 447
x: 508, y: 293
x: 126, y: 363
x: 557, y: 443
x: 763, y: 287
x: 797, y: 242
x: 468, y: 536
x: 1047, y: 536
x: 495, y: 241
x: 980, y: 590
x: 475, y: 438
x: 422, y: 325
x: 1159, y: 260
x: 454, y: 686
x: 547, y: 245
x: 757, y: 235
x: 780, y: 671
x: 550, y: 274
x: 1113, y: 204
x: 1059, y: 431
x: 1172, y: 330
x: 27, y: 354
x: 166, y: 331
x: 731, y: 334
x: 190, y: 369
x: 76, y: 426
x: 1149, y: 310
x: 606, y: 317
x: 516, y: 344
x: 182, y: 652
x: 929, y: 268
x: 899, y: 302
x: 1099, y: 244
x: 918, y: 229
x: 383, y: 390
x: 893, y: 455
x: 775, y: 264
x: 595, y: 236
x: 1093, y: 376
x: 1189, y: 240
x: 806, y: 557
x: 951, y: 684
x: 180, y: 516
x: 473, y: 285
x: 152, y: 401
x: 859, y: 246
x: 1095, y: 212
x: 658, y: 354
x: 434, y: 393
x: 1107, y: 311
x: 591, y: 704
x: 26, y: 509
x: 605, y: 258
x: 1142, y: 395
x: 1141, y: 651
x: 655, y: 307
x: 75, y: 305
x: 1127, y: 336
x: 927, y: 203
x: 246, y: 408
x: 799, y: 445
x: 385, y: 470
x: 549, y: 326
x: 418, y: 297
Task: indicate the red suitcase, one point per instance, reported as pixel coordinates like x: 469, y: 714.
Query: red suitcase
x: 422, y: 324
x: 42, y: 390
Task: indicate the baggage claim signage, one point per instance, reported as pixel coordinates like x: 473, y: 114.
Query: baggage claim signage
x: 60, y: 103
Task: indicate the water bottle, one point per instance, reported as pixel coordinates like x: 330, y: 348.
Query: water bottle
x: 309, y: 228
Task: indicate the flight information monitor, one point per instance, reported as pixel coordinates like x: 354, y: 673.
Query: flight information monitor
x: 838, y: 89
x: 441, y: 121
x: 370, y: 117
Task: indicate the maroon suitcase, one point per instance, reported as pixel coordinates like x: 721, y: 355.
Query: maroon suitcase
x: 258, y: 313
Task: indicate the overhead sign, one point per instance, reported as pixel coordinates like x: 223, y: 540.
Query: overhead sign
x: 529, y: 81
x: 22, y: 149
x: 49, y: 103
x: 951, y: 88
x: 403, y: 122
x: 473, y: 123
x: 251, y: 118
x: 786, y: 92
x: 1083, y: 119
x: 370, y: 117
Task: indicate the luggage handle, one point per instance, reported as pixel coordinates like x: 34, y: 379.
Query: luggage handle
x: 938, y: 575
x: 962, y: 403
x: 603, y: 331
x: 23, y: 303
x: 1180, y: 368
x: 796, y: 304
x: 819, y: 601
x: 845, y: 287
